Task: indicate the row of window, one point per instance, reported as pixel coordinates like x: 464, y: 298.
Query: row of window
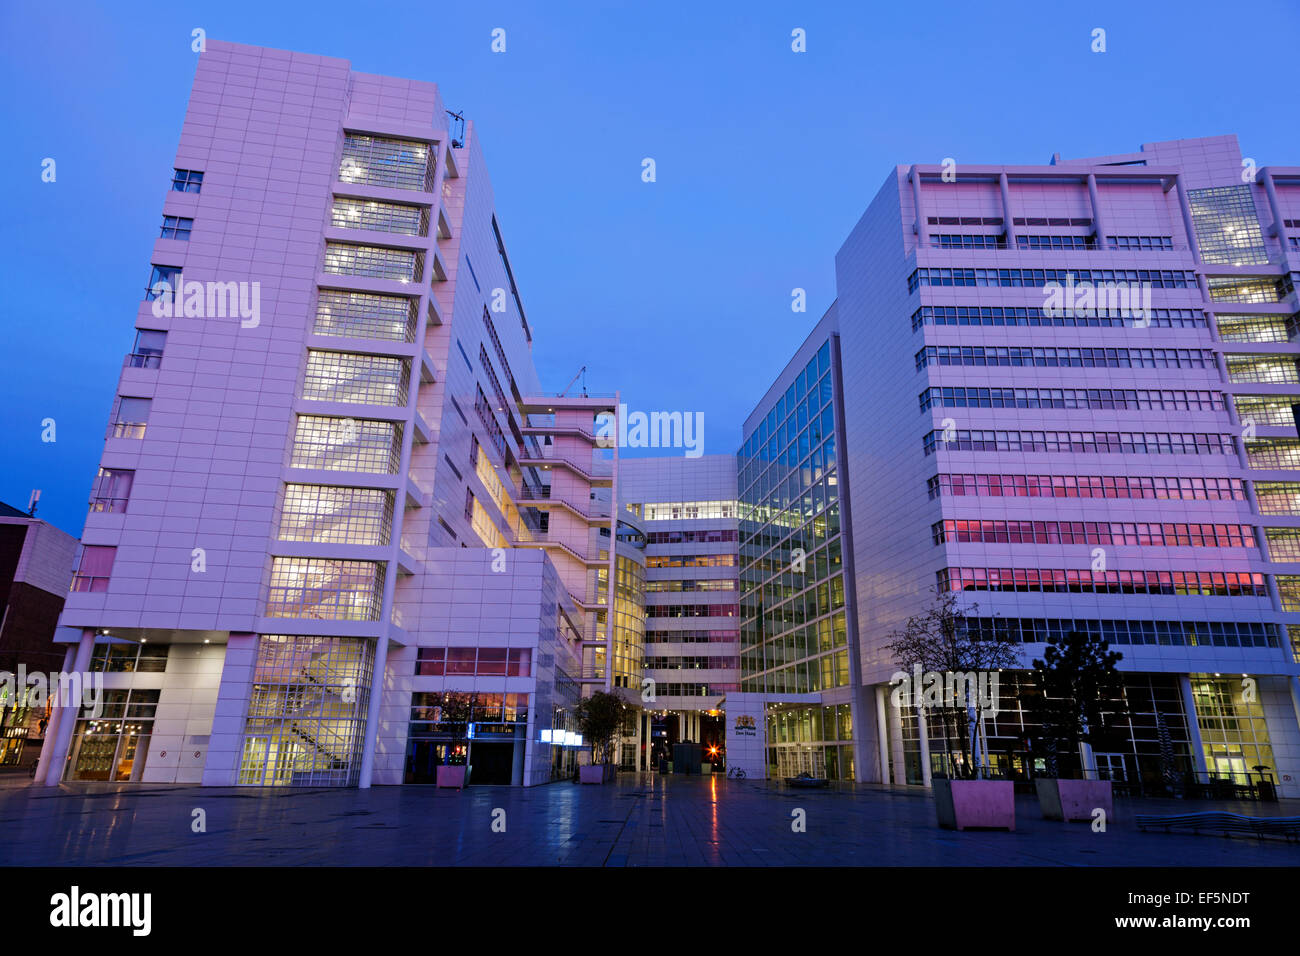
x: 682, y: 510
x: 691, y: 663
x: 356, y: 379
x: 325, y: 589
x: 474, y: 661
x: 495, y: 433
x: 1054, y: 243
x: 373, y: 262
x: 1276, y: 369
x: 375, y: 216
x: 1036, y: 357
x: 365, y: 315
x: 1266, y: 409
x: 1029, y: 630
x: 1206, y: 583
x: 1089, y: 486
x: 346, y: 444
x: 1071, y: 398
x: 1232, y: 289
x: 1030, y: 278
x: 1273, y: 453
x: 1119, y: 533
x: 711, y: 536
x: 997, y: 315
x: 692, y: 610
x: 386, y: 161
x: 336, y: 515
x: 431, y: 711
x: 1257, y: 328
x: 726, y: 584
x: 1094, y: 443
x: 691, y: 637
x: 691, y: 561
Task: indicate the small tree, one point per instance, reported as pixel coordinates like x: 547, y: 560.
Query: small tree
x: 940, y: 641
x: 600, y: 717
x: 1079, y: 685
x: 457, y: 711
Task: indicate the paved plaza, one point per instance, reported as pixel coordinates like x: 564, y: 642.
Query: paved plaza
x: 638, y: 821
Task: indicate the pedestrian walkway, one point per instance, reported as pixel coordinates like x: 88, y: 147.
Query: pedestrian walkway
x: 648, y: 820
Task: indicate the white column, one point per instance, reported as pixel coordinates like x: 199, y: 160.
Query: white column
x: 52, y: 728
x: 1193, y: 728
x: 1087, y: 762
x: 372, y: 713
x: 882, y: 733
x: 923, y: 737
x: 68, y: 714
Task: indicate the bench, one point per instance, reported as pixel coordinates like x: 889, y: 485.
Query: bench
x: 1223, y: 822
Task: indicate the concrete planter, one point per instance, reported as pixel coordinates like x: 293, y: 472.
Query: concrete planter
x: 596, y: 773
x: 449, y: 776
x: 1062, y: 799
x: 963, y: 804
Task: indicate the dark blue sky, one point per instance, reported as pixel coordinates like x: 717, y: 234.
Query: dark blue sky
x: 677, y: 292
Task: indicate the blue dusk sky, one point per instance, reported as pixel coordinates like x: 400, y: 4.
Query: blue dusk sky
x: 676, y: 292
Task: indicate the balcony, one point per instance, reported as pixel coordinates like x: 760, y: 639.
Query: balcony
x: 595, y: 512
x: 594, y: 472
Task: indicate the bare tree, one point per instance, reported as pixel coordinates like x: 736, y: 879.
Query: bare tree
x: 939, y: 641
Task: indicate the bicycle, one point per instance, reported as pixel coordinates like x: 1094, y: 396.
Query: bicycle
x: 735, y: 773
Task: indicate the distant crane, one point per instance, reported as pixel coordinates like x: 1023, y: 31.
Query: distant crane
x: 582, y: 372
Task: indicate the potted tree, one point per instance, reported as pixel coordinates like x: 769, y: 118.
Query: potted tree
x: 456, y: 712
x: 942, y: 654
x: 1079, y: 686
x: 599, y: 718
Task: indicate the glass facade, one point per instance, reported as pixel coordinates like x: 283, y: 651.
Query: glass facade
x: 336, y: 515
x: 1227, y: 228
x: 113, y: 745
x: 793, y: 634
x: 307, y: 711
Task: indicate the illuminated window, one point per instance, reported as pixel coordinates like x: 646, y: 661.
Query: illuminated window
x: 365, y: 315
x: 1227, y: 227
x: 347, y: 444
x: 385, y: 161
x: 1273, y: 453
x: 375, y: 216
x: 360, y: 379
x: 1278, y: 497
x: 679, y: 510
x: 326, y: 589
x: 329, y: 514
x: 373, y: 262
x: 1280, y: 369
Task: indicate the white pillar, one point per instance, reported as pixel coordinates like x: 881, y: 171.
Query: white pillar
x: 1087, y: 762
x: 372, y: 713
x: 882, y: 733
x: 1193, y: 728
x: 68, y: 714
x: 923, y: 736
x: 52, y: 728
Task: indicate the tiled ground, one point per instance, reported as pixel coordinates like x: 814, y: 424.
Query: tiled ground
x: 647, y: 821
